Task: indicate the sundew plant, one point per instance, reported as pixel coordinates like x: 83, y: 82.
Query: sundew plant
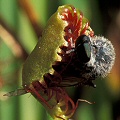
x: 58, y: 61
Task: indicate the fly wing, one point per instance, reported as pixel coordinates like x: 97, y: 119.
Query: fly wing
x: 16, y: 92
x: 71, y: 81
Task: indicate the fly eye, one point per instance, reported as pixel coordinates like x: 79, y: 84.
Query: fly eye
x: 83, y: 48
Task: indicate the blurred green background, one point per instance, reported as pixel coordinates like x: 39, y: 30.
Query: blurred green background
x: 21, y: 23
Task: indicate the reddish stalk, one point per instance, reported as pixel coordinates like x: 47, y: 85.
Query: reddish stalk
x: 10, y: 38
x: 31, y: 14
